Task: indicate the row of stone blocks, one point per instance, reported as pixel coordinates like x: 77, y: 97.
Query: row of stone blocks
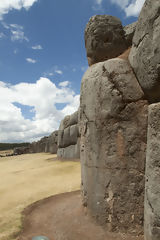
x: 65, y: 141
x: 45, y: 144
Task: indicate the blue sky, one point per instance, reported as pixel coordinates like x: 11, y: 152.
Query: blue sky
x: 43, y: 59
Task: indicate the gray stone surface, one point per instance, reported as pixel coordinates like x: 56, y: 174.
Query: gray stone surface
x: 145, y: 53
x: 104, y: 38
x: 73, y: 134
x: 70, y: 152
x: 152, y: 187
x: 73, y: 118
x: 65, y: 123
x: 53, y: 138
x: 113, y: 127
x: 60, y: 138
x: 68, y: 137
x: 129, y: 31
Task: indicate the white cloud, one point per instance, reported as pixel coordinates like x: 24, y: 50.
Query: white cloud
x: 18, y: 35
x: 121, y: 3
x: 59, y: 72
x: 134, y: 8
x: 30, y: 60
x: 64, y: 84
x: 2, y: 35
x: 37, y: 47
x: 50, y: 74
x: 16, y: 31
x: 15, y: 51
x: 8, y: 5
x: 84, y: 68
x: 130, y: 7
x: 99, y: 1
x: 42, y: 96
x: 97, y: 6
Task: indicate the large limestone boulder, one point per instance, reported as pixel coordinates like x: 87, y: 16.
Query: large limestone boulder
x: 145, y: 53
x: 129, y: 31
x: 152, y: 188
x: 104, y: 38
x: 113, y: 127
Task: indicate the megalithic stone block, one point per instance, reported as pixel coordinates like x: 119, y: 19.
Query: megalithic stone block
x: 113, y: 129
x: 145, y: 52
x: 152, y: 183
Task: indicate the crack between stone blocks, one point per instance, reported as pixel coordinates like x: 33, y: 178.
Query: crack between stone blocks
x: 87, y: 117
x: 149, y: 203
x: 110, y: 77
x: 141, y: 40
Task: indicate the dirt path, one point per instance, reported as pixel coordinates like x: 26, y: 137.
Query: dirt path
x: 62, y: 217
x: 28, y: 178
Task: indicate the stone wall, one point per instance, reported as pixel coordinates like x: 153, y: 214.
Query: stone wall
x: 45, y: 144
x: 152, y: 189
x: 68, y: 137
x: 113, y: 125
x: 115, y: 95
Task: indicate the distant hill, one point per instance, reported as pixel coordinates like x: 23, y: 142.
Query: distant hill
x: 7, y: 146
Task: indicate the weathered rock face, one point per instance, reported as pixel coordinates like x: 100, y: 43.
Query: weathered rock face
x: 152, y: 188
x: 113, y: 126
x: 104, y: 38
x: 129, y: 32
x: 145, y: 53
x: 68, y: 137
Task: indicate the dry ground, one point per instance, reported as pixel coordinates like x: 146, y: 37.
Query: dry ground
x: 62, y: 217
x: 28, y: 178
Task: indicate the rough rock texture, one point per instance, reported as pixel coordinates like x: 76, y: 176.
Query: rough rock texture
x: 104, y: 38
x: 68, y: 137
x: 145, y: 53
x: 113, y: 126
x: 129, y: 32
x: 152, y: 188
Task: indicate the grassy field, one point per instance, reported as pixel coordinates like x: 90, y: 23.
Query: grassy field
x: 27, y: 178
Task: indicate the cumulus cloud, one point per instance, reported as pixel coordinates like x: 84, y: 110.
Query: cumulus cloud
x: 130, y: 7
x: 42, y: 97
x: 37, y: 47
x: 30, y: 60
x: 134, y: 8
x: 8, y: 5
